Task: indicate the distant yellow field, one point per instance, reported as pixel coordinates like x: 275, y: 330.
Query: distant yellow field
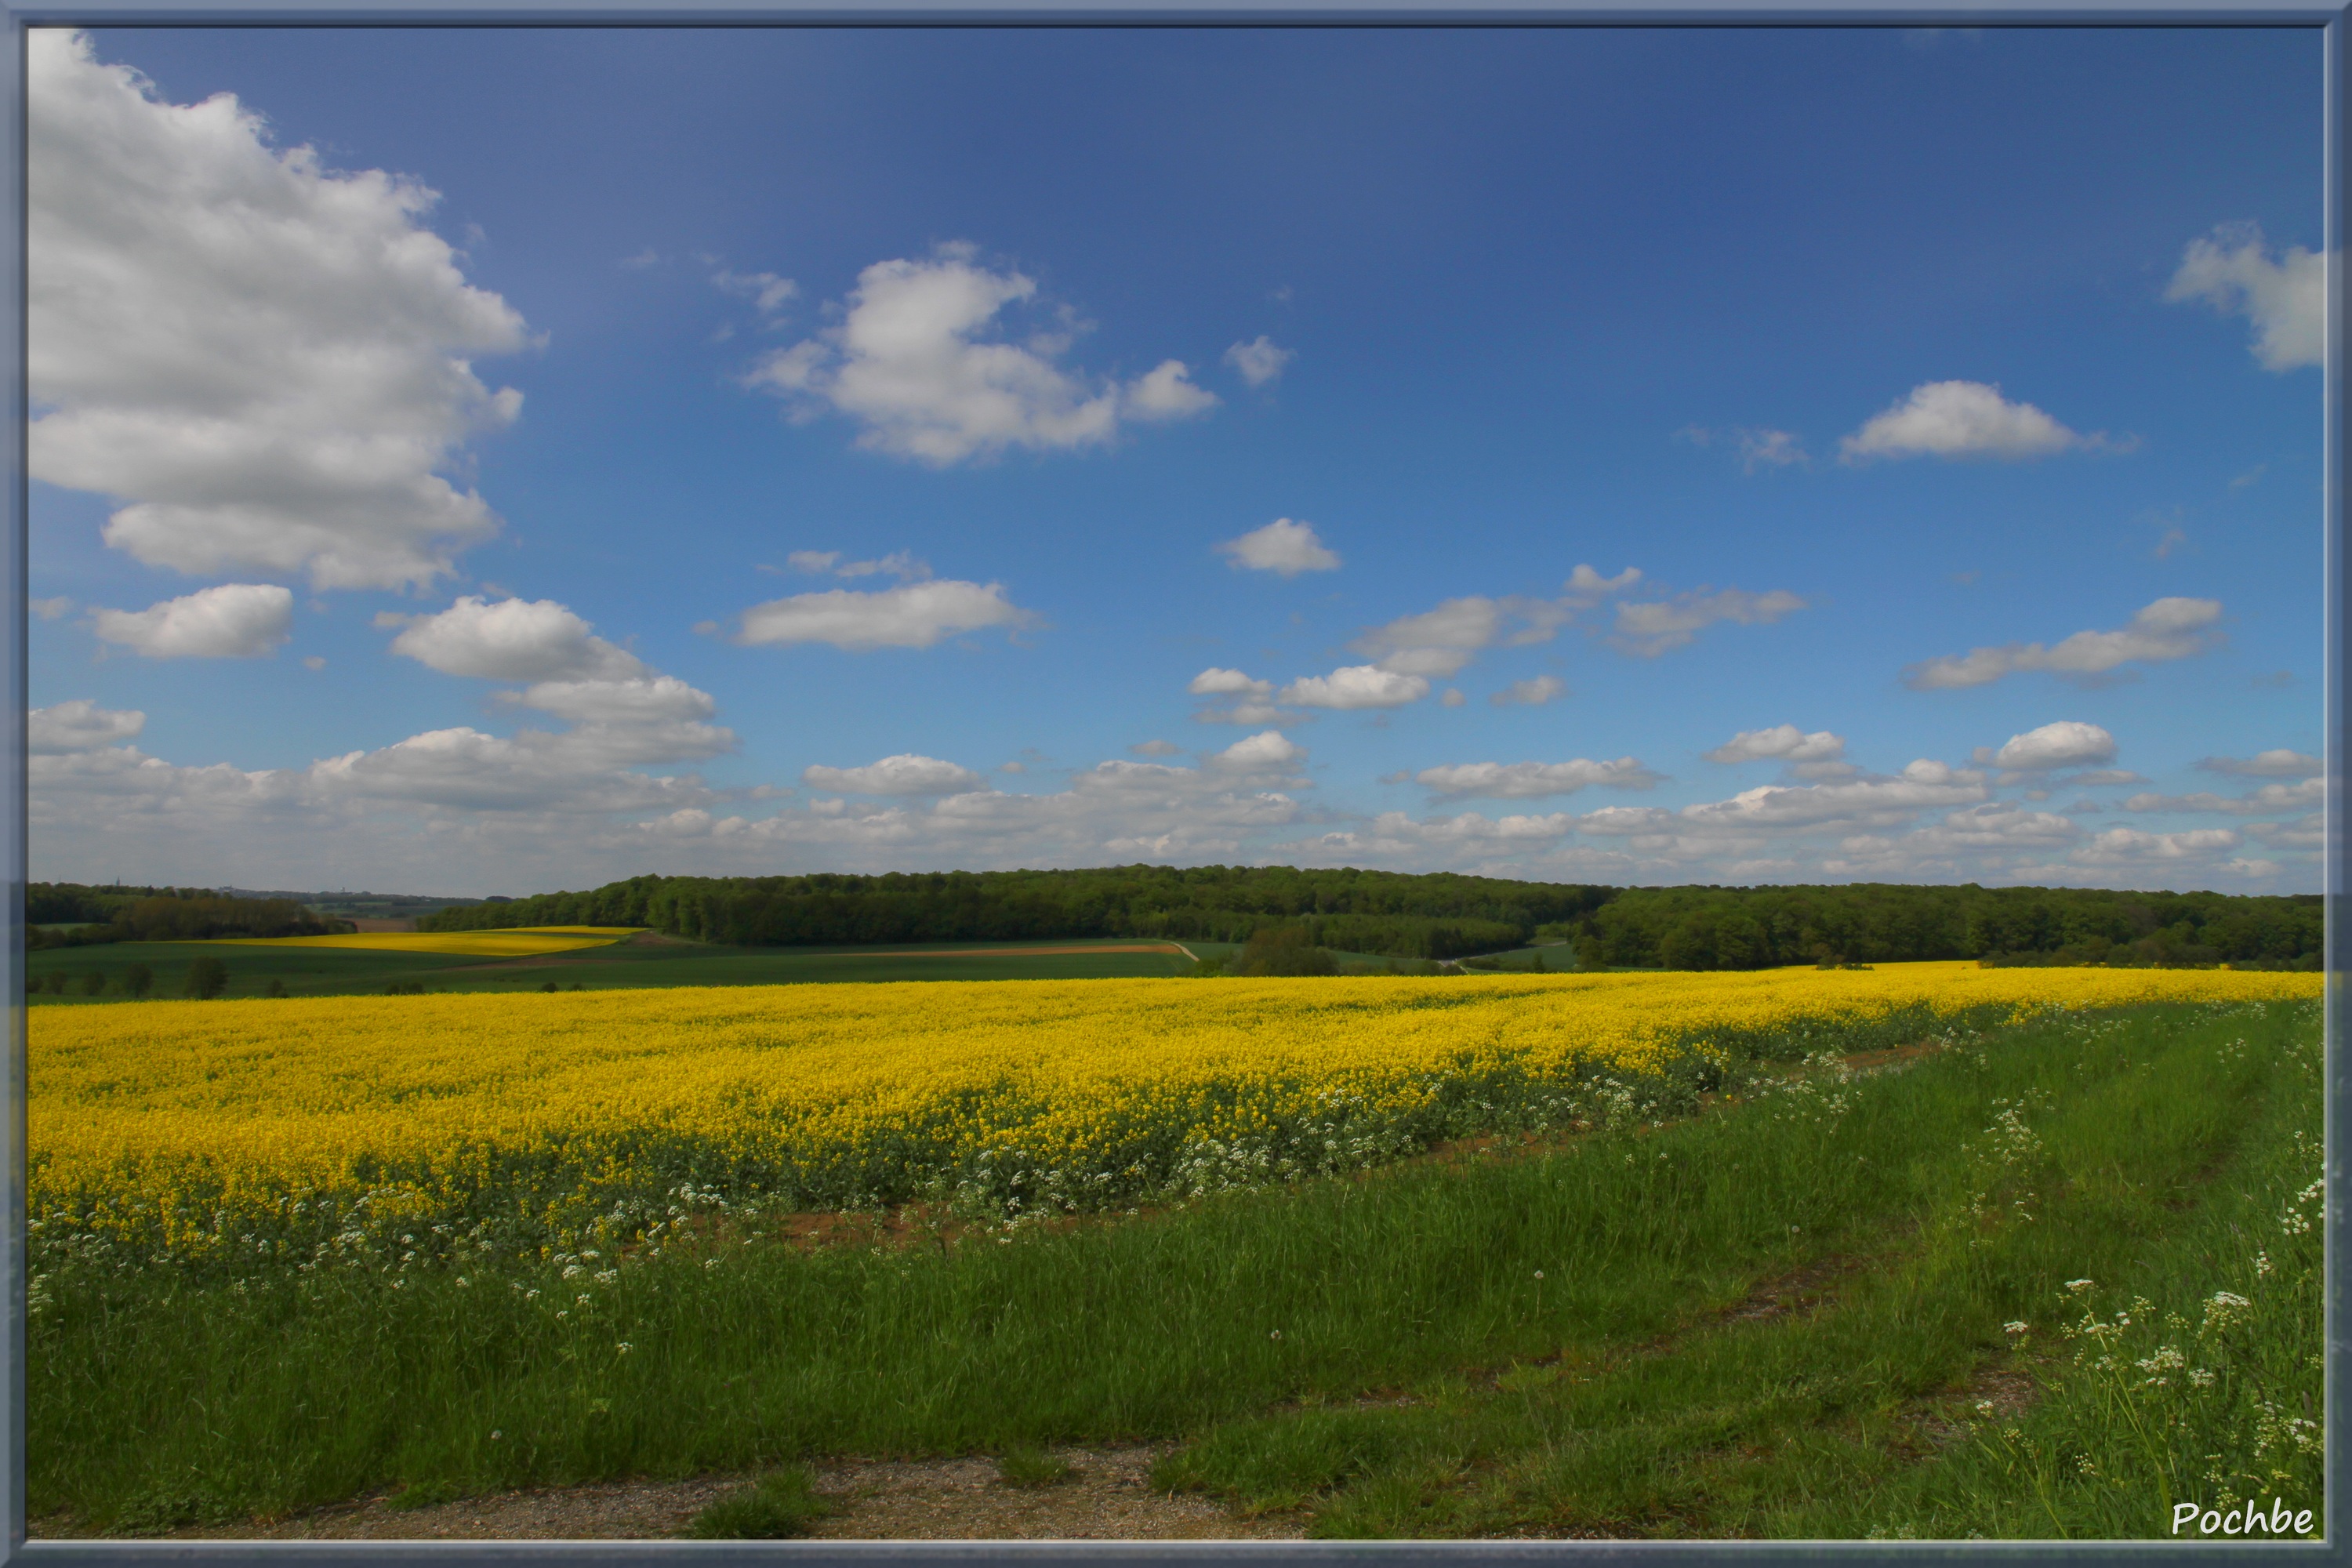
x: 520, y: 942
x: 192, y: 1124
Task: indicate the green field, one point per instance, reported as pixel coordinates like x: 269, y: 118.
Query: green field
x: 662, y: 961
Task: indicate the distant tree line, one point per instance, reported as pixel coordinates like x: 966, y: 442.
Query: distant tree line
x: 160, y: 914
x: 1437, y: 916
x: 1448, y: 916
x: 1758, y: 928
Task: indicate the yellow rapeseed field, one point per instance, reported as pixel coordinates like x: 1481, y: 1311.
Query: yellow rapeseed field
x: 523, y: 941
x: 198, y: 1126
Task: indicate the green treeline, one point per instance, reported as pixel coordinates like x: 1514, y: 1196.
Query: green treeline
x: 1437, y: 916
x: 160, y: 914
x: 1445, y: 916
x: 1758, y: 928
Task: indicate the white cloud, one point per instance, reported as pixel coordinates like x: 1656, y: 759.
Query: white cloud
x: 2100, y: 778
x: 234, y: 620
x: 905, y: 774
x: 1216, y: 683
x: 2130, y: 846
x: 767, y: 292
x: 2168, y: 628
x: 1961, y: 420
x: 1155, y: 748
x: 1267, y: 751
x: 1167, y: 391
x: 1452, y: 698
x: 1769, y: 449
x: 1259, y: 361
x: 2270, y: 798
x: 913, y: 615
x: 909, y: 362
x: 1530, y: 781
x: 1532, y: 693
x: 78, y: 725
x: 2280, y: 764
x: 268, y: 363
x: 2067, y: 743
x: 1281, y: 546
x: 1585, y: 588
x: 513, y: 639
x: 1436, y: 642
x: 1356, y: 686
x: 1651, y: 629
x: 1440, y: 643
x: 2231, y: 270
x: 51, y: 609
x: 903, y: 565
x: 637, y: 699
x: 1784, y: 742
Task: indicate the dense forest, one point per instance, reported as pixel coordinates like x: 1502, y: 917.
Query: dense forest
x: 160, y: 914
x: 1438, y: 916
x: 1443, y: 916
x: 1756, y: 928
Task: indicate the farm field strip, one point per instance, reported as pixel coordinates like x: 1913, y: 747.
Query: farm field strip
x: 479, y: 943
x: 196, y: 1129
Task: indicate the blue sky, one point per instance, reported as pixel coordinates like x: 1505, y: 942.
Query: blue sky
x: 984, y: 448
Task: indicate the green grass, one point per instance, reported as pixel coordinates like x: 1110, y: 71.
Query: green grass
x: 779, y: 1505
x: 339, y: 972
x: 1566, y: 1339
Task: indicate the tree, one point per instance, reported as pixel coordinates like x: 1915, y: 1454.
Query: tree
x: 138, y: 980
x: 208, y: 978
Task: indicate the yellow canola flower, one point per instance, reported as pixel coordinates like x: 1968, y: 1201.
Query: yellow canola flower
x: 523, y: 941
x: 196, y: 1120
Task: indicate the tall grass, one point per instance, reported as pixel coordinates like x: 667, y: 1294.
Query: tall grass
x: 1556, y: 1314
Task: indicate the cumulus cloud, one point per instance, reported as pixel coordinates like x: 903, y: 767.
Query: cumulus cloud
x: 1440, y: 643
x: 1247, y: 701
x: 1356, y: 686
x: 1784, y: 742
x: 1860, y: 803
x: 2067, y: 743
x: 2232, y: 270
x: 78, y: 725
x: 235, y: 620
x: 1167, y: 391
x: 2279, y: 763
x: 1216, y: 683
x: 905, y: 774
x: 2270, y: 798
x: 1648, y: 630
x: 512, y: 639
x: 268, y: 363
x: 1530, y: 781
x: 1961, y: 420
x: 1259, y: 361
x: 911, y: 363
x: 2168, y: 628
x: 1759, y: 447
x: 913, y: 615
x: 1155, y: 748
x: 1269, y: 749
x: 2130, y: 846
x: 1281, y: 546
x: 1531, y: 693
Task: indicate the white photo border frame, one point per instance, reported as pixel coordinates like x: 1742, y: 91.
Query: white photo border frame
x: 2329, y: 18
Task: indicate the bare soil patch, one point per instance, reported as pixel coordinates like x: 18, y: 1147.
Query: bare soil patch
x: 1108, y: 1497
